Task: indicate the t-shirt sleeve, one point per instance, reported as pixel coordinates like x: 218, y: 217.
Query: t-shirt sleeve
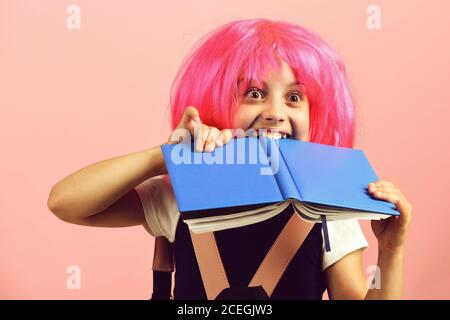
x: 160, y: 208
x: 345, y: 236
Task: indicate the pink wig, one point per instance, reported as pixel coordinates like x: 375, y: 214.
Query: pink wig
x: 243, y: 50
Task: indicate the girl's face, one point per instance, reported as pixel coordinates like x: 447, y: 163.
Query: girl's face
x: 280, y: 104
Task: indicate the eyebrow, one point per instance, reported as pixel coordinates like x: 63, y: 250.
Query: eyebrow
x: 295, y: 83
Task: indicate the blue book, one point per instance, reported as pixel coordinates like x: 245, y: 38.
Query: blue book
x: 252, y: 179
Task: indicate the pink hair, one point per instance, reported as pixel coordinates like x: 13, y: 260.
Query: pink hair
x: 209, y: 75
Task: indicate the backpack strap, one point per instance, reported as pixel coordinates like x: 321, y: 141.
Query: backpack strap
x: 281, y: 253
x: 269, y: 272
x: 163, y: 266
x: 210, y: 264
x: 163, y: 255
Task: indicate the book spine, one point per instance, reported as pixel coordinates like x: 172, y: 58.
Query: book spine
x: 279, y: 168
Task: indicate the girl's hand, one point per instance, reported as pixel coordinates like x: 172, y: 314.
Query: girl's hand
x: 206, y: 137
x: 391, y: 232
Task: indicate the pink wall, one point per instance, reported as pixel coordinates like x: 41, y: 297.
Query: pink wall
x: 69, y: 98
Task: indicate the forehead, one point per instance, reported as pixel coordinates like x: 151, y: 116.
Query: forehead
x: 283, y: 73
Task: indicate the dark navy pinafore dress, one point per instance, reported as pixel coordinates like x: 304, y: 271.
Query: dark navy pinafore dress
x: 242, y: 250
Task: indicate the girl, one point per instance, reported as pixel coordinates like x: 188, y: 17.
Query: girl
x: 248, y: 74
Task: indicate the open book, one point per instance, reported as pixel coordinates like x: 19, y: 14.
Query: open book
x: 252, y: 179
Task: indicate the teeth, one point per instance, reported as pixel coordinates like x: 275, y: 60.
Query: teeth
x: 270, y: 135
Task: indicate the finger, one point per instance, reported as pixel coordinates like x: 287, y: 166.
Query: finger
x: 385, y: 189
x: 224, y: 137
x: 220, y: 139
x: 195, y: 129
x: 227, y: 135
x: 200, y: 137
x: 392, y: 197
x: 238, y: 133
x: 210, y: 142
x: 382, y: 183
x: 392, y: 189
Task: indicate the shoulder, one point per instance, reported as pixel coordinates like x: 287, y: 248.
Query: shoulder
x: 159, y: 205
x: 345, y: 236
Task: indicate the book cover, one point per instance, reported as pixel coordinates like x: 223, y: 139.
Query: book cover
x: 251, y: 172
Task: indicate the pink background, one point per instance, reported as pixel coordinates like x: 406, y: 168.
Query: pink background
x: 73, y: 97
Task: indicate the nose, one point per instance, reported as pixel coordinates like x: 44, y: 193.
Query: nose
x: 273, y: 114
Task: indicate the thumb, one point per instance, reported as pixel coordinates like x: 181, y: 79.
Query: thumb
x: 190, y: 113
x: 405, y: 213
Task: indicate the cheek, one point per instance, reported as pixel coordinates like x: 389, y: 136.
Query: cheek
x: 243, y: 117
x: 300, y: 121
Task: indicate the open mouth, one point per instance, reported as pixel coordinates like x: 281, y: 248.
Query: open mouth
x: 270, y: 133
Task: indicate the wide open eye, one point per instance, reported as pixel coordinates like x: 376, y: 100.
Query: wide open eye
x: 297, y: 95
x: 254, y: 93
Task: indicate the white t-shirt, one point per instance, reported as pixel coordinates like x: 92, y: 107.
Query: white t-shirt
x: 161, y: 214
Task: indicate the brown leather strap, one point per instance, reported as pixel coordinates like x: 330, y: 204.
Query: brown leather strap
x: 210, y: 263
x: 281, y: 253
x: 163, y: 255
x: 269, y: 272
